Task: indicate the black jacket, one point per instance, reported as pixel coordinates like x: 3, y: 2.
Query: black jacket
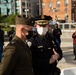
x: 2, y: 37
x: 42, y: 50
x: 57, y: 33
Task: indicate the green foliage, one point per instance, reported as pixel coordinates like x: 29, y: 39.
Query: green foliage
x: 10, y: 19
x: 6, y: 29
x: 5, y: 22
x: 1, y: 18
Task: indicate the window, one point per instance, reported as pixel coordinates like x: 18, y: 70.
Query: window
x: 66, y: 10
x: 4, y: 11
x: 4, y: 5
x: 23, y: 10
x: 23, y: 3
x: 3, y: 1
x: 58, y: 10
x: 50, y: 4
x: 66, y: 2
x: 17, y: 10
x: 8, y: 0
x: 58, y: 3
x: 43, y: 5
x: 17, y: 3
x: 9, y: 5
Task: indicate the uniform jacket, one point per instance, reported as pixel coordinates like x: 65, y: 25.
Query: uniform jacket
x: 42, y: 50
x: 74, y: 37
x: 17, y: 58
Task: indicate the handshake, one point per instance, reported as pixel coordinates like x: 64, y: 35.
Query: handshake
x: 54, y: 57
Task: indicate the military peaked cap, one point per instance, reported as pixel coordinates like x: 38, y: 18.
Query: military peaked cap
x: 43, y: 17
x: 42, y: 20
x: 30, y: 21
x: 25, y: 21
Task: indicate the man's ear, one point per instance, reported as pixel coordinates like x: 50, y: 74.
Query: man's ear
x: 22, y: 29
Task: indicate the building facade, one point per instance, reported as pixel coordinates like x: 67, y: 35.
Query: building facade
x: 34, y: 7
x: 58, y: 9
x: 74, y: 10
x: 22, y: 7
x: 6, y: 7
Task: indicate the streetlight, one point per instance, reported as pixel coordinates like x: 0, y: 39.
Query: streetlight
x: 26, y: 10
x: 54, y: 10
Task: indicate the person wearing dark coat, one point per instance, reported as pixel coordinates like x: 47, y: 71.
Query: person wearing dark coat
x: 17, y: 58
x: 11, y: 33
x: 1, y: 42
x: 45, y: 51
x: 57, y: 34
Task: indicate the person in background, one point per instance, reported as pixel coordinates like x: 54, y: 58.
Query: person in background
x: 57, y: 34
x: 74, y: 43
x: 1, y: 42
x: 17, y: 56
x: 50, y: 29
x: 34, y: 30
x: 45, y: 51
x: 11, y: 33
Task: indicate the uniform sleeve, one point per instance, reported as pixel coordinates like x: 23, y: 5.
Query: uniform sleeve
x: 9, y: 60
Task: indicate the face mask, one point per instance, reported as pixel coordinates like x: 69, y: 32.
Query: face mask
x: 42, y: 31
x: 30, y: 34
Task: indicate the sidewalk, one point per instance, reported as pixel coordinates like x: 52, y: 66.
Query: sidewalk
x: 68, y: 58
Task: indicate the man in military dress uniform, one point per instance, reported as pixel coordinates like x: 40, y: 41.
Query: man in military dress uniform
x: 45, y: 51
x: 16, y: 56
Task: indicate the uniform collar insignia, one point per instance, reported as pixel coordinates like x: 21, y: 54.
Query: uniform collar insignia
x: 53, y: 42
x: 49, y: 48
x: 40, y: 46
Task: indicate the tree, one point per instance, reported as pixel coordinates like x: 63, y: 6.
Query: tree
x: 1, y: 18
x: 11, y: 19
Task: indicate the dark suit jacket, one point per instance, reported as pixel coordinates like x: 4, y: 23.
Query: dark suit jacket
x: 17, y: 58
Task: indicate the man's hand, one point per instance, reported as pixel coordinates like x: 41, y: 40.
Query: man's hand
x: 54, y: 57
